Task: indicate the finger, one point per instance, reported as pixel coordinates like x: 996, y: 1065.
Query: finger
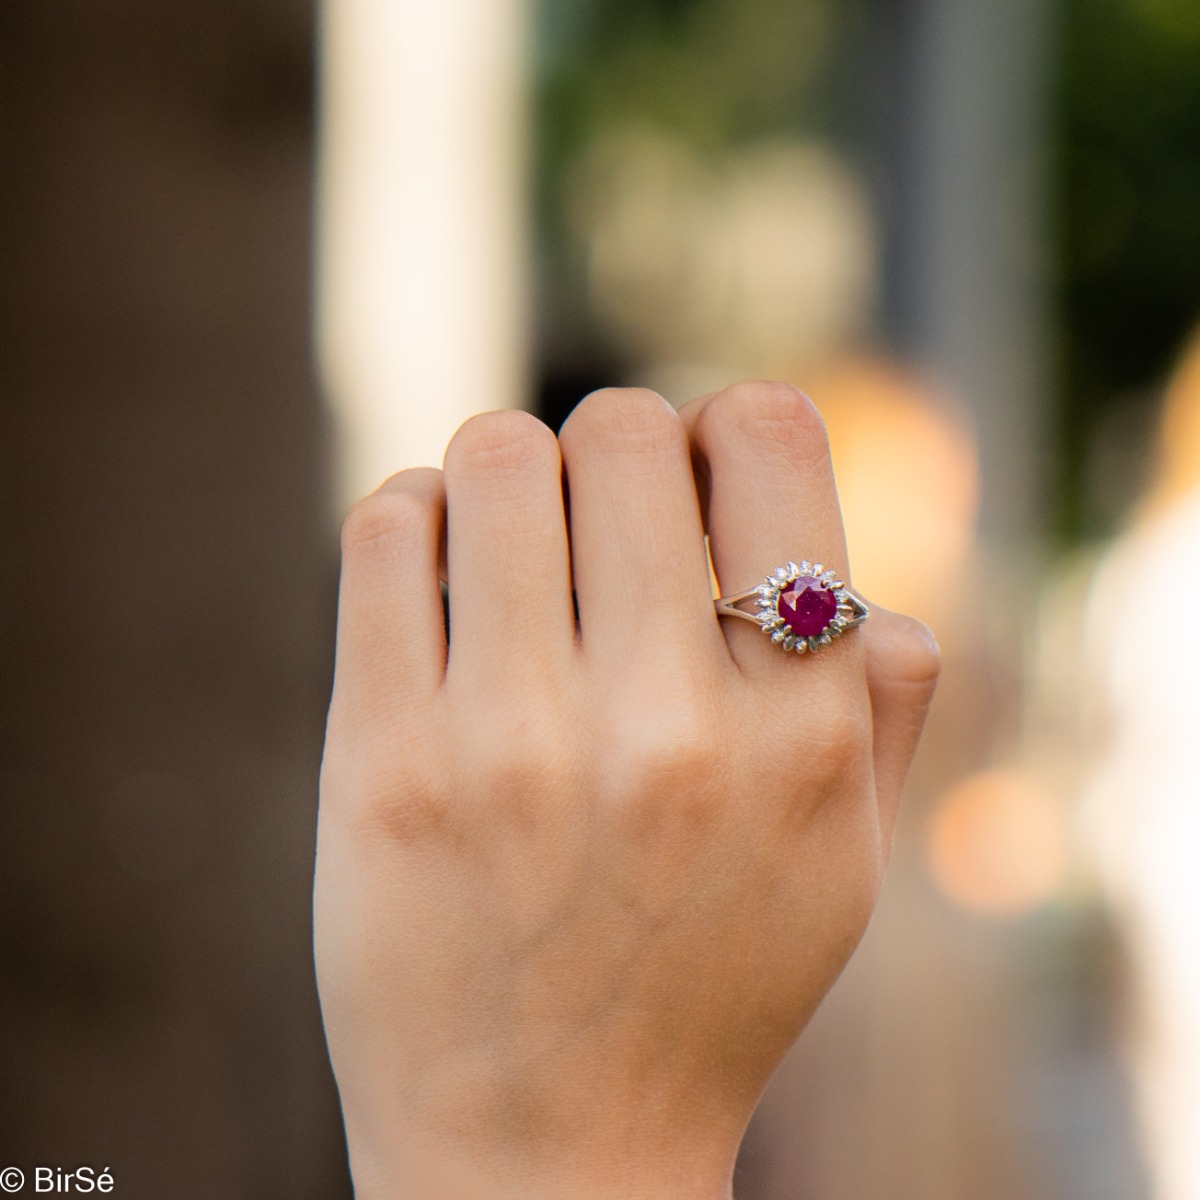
x: 770, y: 496
x: 391, y: 644
x: 903, y: 664
x: 507, y: 558
x: 637, y: 540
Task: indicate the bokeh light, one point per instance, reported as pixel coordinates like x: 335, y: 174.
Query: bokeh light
x: 998, y: 844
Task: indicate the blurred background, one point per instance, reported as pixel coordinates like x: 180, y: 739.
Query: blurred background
x: 254, y: 257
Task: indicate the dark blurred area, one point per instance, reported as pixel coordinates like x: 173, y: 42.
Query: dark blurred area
x: 167, y: 599
x: 1127, y: 251
x: 971, y: 230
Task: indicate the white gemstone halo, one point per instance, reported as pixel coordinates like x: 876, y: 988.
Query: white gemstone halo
x: 802, y: 626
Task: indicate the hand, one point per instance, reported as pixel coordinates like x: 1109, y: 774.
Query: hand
x: 579, y: 888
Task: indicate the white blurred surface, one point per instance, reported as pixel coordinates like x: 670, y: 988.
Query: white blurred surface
x: 422, y: 292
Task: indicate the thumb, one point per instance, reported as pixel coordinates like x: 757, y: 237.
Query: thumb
x: 903, y: 663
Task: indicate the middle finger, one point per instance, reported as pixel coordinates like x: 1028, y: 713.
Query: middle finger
x: 637, y: 540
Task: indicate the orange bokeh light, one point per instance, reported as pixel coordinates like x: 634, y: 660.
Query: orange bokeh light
x: 997, y: 844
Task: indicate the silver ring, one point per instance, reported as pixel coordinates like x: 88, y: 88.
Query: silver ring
x: 801, y: 607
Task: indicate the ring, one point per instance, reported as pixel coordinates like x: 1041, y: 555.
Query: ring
x: 800, y: 607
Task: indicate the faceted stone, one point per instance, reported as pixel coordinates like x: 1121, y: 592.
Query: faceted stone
x: 807, y: 606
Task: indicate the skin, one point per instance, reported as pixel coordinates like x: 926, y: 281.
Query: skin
x: 579, y: 888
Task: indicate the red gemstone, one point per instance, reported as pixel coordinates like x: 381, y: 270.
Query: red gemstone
x: 807, y: 606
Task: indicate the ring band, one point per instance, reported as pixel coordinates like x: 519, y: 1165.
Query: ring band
x: 801, y: 607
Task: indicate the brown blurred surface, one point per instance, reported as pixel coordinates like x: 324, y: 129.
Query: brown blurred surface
x: 166, y: 590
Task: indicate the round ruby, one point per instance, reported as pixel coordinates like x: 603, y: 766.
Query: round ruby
x: 807, y: 606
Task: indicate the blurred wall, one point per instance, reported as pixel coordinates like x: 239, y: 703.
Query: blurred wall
x: 166, y: 591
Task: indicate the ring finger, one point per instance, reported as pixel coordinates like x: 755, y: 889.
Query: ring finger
x: 771, y: 496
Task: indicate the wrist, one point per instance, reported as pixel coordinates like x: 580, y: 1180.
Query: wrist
x: 445, y: 1172
x: 572, y: 1129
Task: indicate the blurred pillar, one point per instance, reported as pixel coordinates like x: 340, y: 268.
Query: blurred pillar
x: 960, y: 113
x: 167, y: 590
x: 421, y: 284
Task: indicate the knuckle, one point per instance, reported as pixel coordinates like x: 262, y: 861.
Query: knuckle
x: 384, y: 517
x: 506, y: 442
x: 412, y: 817
x: 666, y: 790
x: 773, y: 414
x: 923, y: 661
x: 370, y: 796
x: 904, y: 655
x: 849, y: 734
x: 673, y: 755
x: 838, y: 747
x: 517, y: 764
x: 625, y: 419
x: 922, y: 673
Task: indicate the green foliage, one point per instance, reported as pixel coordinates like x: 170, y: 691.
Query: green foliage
x: 712, y: 72
x: 1128, y: 157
